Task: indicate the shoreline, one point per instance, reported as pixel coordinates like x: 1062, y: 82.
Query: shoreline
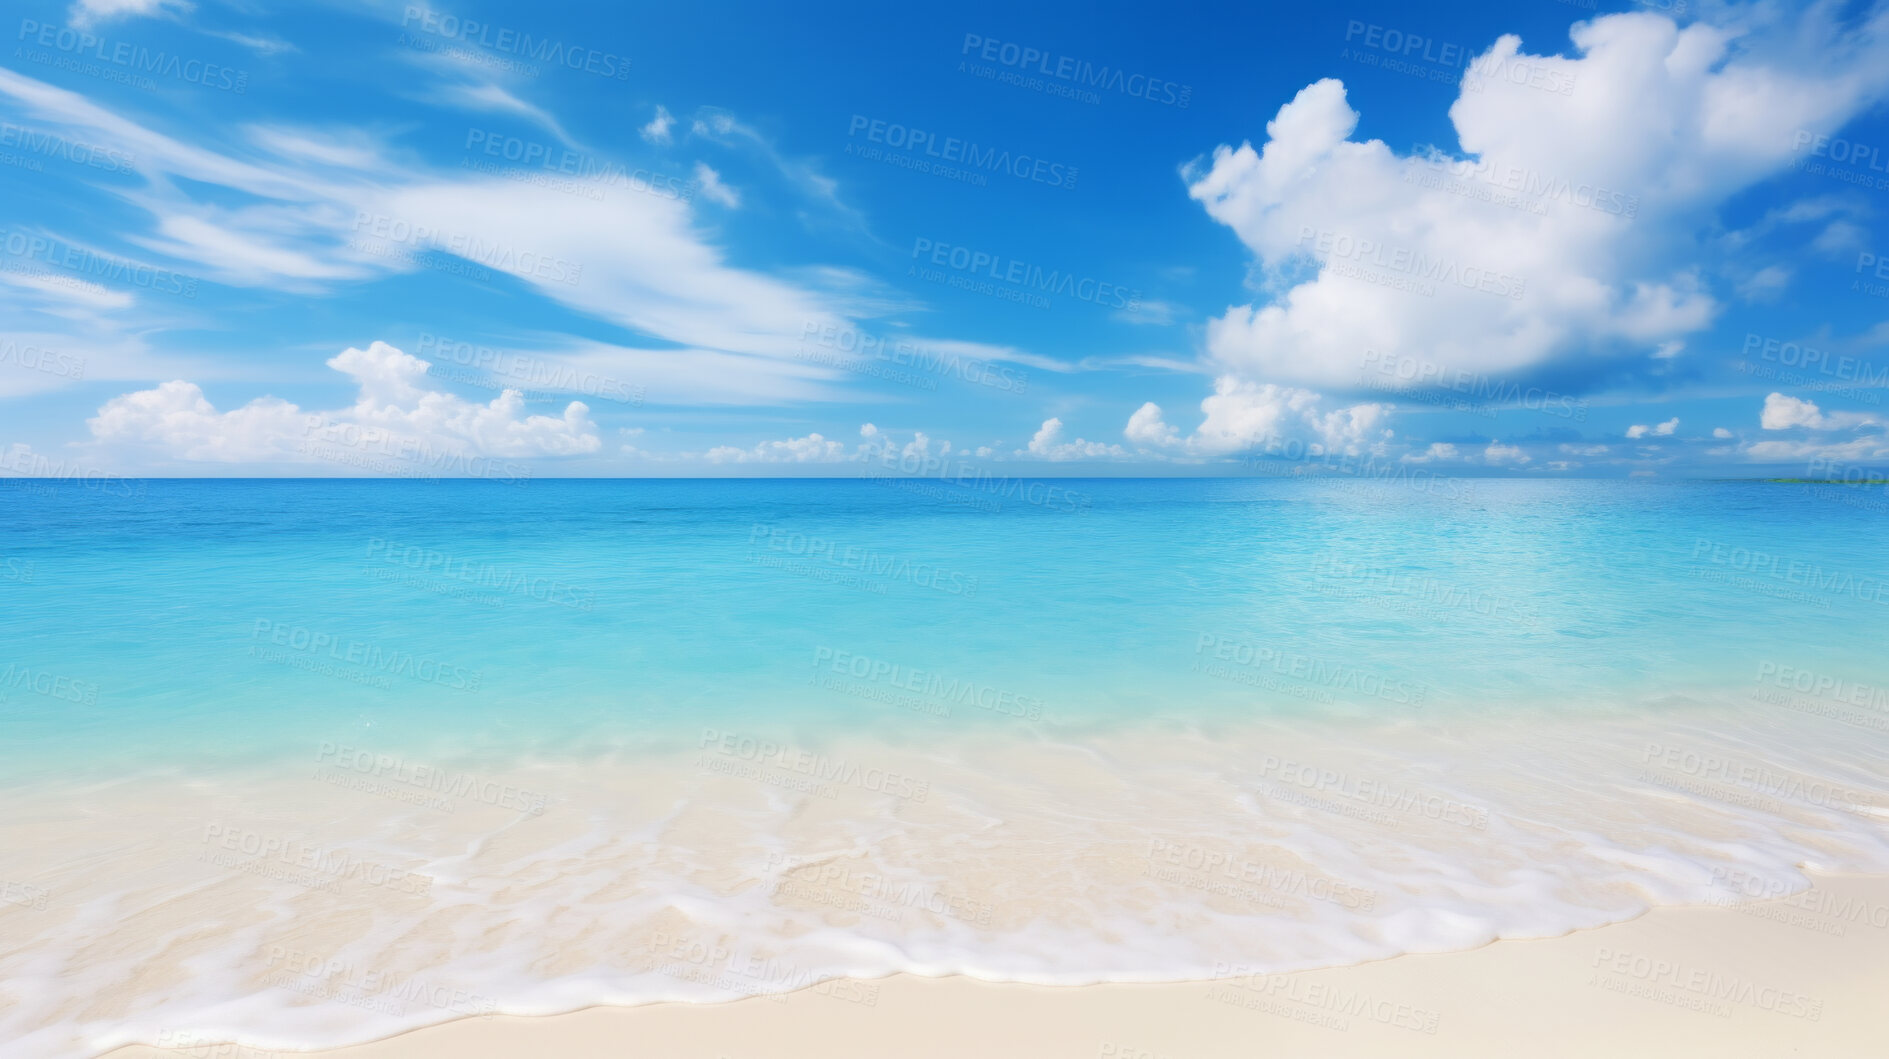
x: 298, y: 913
x: 1757, y: 978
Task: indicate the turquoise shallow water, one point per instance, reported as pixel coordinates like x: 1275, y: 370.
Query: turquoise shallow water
x: 198, y: 622
x: 453, y: 733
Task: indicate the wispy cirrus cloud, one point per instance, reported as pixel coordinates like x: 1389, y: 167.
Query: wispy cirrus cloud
x: 315, y: 210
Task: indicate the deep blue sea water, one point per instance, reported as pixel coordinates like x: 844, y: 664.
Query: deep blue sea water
x: 204, y: 621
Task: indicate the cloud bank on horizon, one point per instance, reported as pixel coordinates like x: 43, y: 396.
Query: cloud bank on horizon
x: 550, y: 244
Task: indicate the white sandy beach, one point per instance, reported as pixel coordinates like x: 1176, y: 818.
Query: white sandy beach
x: 1312, y: 884
x: 1804, y: 975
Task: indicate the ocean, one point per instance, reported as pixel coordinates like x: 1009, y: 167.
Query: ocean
x: 341, y: 748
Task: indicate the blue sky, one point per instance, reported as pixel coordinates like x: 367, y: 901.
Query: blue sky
x: 361, y: 239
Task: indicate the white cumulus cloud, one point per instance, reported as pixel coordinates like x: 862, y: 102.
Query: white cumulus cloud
x: 1242, y: 414
x: 811, y: 449
x: 1782, y: 412
x: 1498, y: 453
x: 1362, y: 247
x: 1048, y: 444
x: 397, y: 420
x: 1438, y: 450
x: 1146, y: 427
x: 1658, y: 430
x: 658, y: 129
